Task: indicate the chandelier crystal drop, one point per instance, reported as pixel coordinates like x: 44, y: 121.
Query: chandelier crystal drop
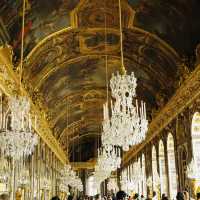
x: 17, y: 139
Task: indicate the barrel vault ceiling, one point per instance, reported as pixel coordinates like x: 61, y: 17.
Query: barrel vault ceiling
x: 67, y: 46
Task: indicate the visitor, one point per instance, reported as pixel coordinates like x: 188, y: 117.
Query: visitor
x: 109, y: 197
x: 154, y: 196
x: 97, y: 197
x: 142, y: 197
x: 4, y: 197
x: 186, y: 195
x: 55, y: 198
x: 180, y: 196
x: 121, y: 195
x: 136, y: 196
x: 148, y: 197
x: 163, y: 196
x: 198, y: 195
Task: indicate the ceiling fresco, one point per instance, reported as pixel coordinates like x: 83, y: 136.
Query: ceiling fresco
x: 68, y: 42
x: 176, y: 22
x: 71, y: 76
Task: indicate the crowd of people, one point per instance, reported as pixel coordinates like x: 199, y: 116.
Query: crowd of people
x: 121, y: 195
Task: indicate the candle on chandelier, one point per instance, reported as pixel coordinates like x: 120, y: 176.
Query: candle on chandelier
x: 29, y: 121
x: 137, y: 111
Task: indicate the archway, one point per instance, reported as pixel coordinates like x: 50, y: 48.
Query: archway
x: 196, y: 138
x: 163, y: 174
x: 171, y: 167
x: 144, y: 181
x: 154, y: 168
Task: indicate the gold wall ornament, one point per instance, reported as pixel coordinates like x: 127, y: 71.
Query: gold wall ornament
x: 184, y: 96
x: 77, y: 166
x: 10, y: 84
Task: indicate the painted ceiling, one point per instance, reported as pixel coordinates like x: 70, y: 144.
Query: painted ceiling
x: 68, y: 42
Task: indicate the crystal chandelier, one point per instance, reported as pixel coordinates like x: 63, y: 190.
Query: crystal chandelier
x: 127, y: 125
x: 100, y: 174
x: 110, y: 157
x: 69, y: 177
x: 17, y: 139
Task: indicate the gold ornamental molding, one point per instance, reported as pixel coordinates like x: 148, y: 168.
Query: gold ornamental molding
x: 9, y: 83
x: 183, y: 97
x: 83, y: 165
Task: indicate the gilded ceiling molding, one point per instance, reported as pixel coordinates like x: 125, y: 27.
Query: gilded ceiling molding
x: 83, y: 165
x: 76, y: 127
x: 9, y: 82
x: 44, y: 40
x: 70, y: 129
x: 30, y: 56
x: 184, y: 96
x: 53, y: 66
x: 86, y: 13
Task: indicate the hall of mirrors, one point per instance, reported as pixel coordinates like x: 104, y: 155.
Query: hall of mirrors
x: 99, y: 100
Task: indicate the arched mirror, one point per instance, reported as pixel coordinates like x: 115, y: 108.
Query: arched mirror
x: 171, y: 167
x: 154, y: 169
x: 163, y: 174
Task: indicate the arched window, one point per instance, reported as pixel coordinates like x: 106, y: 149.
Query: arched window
x: 144, y: 181
x: 163, y: 174
x: 171, y: 167
x: 154, y: 168
x: 196, y: 138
